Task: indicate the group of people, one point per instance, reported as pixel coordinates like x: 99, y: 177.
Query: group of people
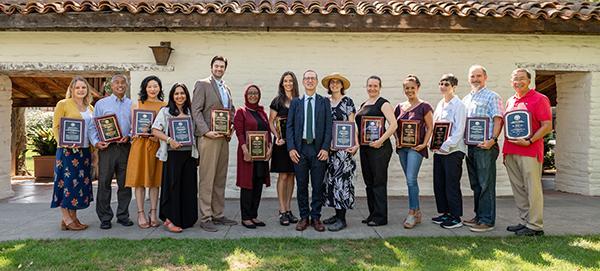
x: 190, y: 180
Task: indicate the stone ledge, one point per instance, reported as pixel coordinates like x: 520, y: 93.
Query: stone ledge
x: 560, y: 67
x: 9, y: 67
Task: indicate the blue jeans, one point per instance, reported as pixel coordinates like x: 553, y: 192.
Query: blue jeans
x: 310, y: 170
x: 410, y: 160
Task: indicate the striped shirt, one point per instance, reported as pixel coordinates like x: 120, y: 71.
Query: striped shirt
x: 484, y: 103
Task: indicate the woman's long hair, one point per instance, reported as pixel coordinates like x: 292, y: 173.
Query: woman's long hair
x: 281, y: 98
x: 144, y: 94
x: 187, y: 105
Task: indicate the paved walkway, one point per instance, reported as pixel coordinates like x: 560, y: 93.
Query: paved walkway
x: 27, y: 215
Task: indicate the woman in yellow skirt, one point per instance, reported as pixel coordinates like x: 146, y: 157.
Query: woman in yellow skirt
x: 144, y: 170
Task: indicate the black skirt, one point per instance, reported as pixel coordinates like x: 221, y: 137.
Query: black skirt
x: 280, y: 159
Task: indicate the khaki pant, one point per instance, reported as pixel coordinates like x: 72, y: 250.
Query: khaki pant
x: 525, y: 174
x: 214, y: 159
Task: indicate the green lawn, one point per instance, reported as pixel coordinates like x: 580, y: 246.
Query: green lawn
x: 442, y: 253
x: 29, y: 160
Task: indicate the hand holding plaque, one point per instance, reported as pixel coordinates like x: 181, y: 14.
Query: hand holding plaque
x: 180, y: 130
x: 343, y: 135
x: 142, y: 122
x: 408, y: 133
x: 256, y: 142
x: 371, y: 129
x: 517, y: 124
x: 72, y: 132
x: 441, y: 131
x: 220, y: 121
x: 108, y: 128
x: 476, y: 130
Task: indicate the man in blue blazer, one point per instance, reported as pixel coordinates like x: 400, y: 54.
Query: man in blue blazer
x: 308, y: 140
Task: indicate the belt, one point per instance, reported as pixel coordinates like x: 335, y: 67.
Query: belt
x: 306, y: 142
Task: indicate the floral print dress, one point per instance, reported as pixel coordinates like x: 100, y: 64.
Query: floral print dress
x: 339, y: 189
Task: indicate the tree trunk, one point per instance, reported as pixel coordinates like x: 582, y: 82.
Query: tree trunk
x: 18, y: 144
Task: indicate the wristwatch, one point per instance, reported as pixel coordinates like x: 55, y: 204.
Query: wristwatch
x: 530, y: 142
x: 495, y: 138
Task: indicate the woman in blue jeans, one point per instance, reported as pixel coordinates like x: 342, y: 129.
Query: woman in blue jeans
x: 413, y: 147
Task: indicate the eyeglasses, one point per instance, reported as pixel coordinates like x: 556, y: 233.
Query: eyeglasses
x: 444, y: 84
x: 253, y: 94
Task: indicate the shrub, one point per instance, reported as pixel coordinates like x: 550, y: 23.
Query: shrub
x: 40, y: 136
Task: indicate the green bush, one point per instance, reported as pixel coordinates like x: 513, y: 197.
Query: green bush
x: 40, y: 136
x: 549, y: 144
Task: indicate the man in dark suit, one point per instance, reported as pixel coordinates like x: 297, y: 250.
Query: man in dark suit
x: 308, y: 140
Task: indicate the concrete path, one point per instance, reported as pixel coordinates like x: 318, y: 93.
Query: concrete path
x: 28, y: 216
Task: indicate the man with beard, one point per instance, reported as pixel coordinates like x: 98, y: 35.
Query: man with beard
x: 212, y: 93
x: 481, y: 102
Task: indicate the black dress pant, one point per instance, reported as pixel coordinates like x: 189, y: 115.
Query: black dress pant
x: 250, y: 198
x: 179, y: 189
x: 447, y: 171
x: 374, y: 164
x: 113, y: 161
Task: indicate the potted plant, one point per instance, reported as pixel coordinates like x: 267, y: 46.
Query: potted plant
x: 41, y: 140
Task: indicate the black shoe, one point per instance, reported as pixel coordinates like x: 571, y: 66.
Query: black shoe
x: 330, y: 220
x: 515, y: 228
x: 125, y: 222
x: 366, y: 220
x: 529, y: 232
x: 259, y: 223
x: 440, y: 219
x: 105, y: 225
x: 452, y: 223
x: 337, y: 226
x: 249, y: 226
x: 375, y: 224
x: 291, y: 217
x: 284, y: 219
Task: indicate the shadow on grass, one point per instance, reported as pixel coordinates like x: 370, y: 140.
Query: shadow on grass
x: 441, y: 253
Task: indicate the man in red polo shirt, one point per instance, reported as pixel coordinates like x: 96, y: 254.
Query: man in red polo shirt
x: 524, y: 157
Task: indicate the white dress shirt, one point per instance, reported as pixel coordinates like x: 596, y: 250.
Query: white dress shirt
x: 456, y: 113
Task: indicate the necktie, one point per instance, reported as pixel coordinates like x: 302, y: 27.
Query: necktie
x: 224, y: 96
x: 309, y: 122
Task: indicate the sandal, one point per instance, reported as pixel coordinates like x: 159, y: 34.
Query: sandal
x: 144, y: 225
x: 171, y: 227
x: 153, y: 223
x: 291, y: 217
x: 412, y: 219
x: 284, y: 219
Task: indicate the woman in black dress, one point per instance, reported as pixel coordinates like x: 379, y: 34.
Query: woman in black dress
x: 178, y: 193
x: 339, y: 187
x: 375, y: 156
x: 280, y: 161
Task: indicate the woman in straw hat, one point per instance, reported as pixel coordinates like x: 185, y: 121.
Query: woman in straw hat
x: 339, y: 189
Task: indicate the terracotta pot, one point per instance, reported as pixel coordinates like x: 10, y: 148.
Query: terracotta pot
x: 43, y: 167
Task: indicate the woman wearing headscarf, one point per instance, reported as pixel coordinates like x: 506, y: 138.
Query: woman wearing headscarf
x: 251, y: 175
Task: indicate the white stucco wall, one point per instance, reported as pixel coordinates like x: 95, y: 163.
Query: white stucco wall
x: 5, y: 135
x: 261, y: 58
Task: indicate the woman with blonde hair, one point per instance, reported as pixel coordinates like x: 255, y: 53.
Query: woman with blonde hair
x: 72, y: 172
